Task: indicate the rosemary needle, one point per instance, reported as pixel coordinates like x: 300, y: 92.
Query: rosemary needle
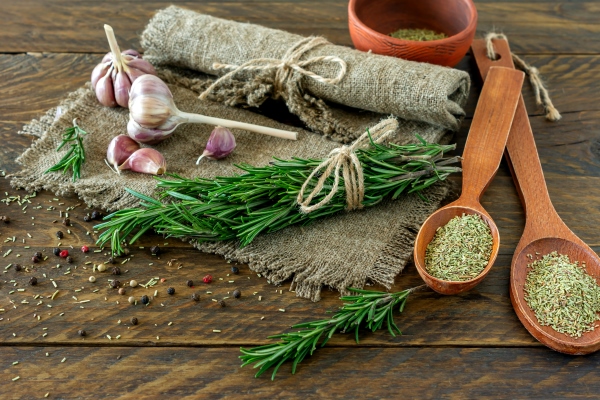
x: 264, y: 199
x: 75, y: 156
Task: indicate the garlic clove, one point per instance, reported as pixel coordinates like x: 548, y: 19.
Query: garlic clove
x: 142, y: 65
x: 99, y: 71
x: 131, y: 52
x: 149, y: 111
x: 150, y: 85
x: 150, y: 135
x: 122, y: 85
x: 146, y: 161
x: 120, y: 149
x: 134, y: 73
x: 105, y: 91
x: 220, y: 144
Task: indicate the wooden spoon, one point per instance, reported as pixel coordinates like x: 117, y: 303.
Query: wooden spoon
x: 481, y: 159
x: 544, y: 232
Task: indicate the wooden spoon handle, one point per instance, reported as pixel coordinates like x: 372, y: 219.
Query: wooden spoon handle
x: 542, y: 218
x: 489, y: 130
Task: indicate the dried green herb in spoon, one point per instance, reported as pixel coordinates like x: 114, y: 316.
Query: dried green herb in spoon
x: 75, y: 156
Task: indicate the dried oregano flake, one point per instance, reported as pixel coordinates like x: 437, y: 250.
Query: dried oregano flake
x: 459, y: 250
x: 562, y: 295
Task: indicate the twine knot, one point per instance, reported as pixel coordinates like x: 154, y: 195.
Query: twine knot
x: 284, y: 68
x: 542, y: 98
x: 344, y: 158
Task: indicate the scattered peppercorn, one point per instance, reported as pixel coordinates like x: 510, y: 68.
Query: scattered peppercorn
x: 56, y: 251
x: 69, y: 260
x: 101, y: 268
x: 133, y: 283
x: 66, y: 222
x: 207, y: 279
x: 5, y: 219
x: 222, y: 303
x: 111, y: 260
x: 155, y: 250
x: 59, y: 234
x: 134, y: 321
x: 81, y: 332
x: 92, y: 279
x: 195, y: 296
x: 115, y: 284
x: 87, y: 218
x: 35, y: 259
x: 116, y: 271
x: 171, y: 291
x: 18, y: 267
x: 33, y: 281
x: 38, y: 254
x: 64, y: 253
x: 131, y: 299
x: 235, y: 270
x: 96, y: 214
x: 190, y: 283
x: 237, y: 293
x: 122, y: 291
x: 145, y: 299
x: 85, y: 249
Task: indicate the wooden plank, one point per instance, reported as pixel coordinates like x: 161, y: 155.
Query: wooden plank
x: 330, y: 373
x: 64, y: 26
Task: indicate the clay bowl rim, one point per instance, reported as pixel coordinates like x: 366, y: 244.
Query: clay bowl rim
x: 463, y: 285
x: 471, y: 26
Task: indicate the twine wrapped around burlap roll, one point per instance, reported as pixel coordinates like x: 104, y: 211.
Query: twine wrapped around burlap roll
x: 387, y: 85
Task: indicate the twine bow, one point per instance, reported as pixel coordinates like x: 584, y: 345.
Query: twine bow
x: 345, y: 158
x: 285, y: 66
x: 542, y: 98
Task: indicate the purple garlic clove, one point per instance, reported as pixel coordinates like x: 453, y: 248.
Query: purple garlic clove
x: 220, y: 144
x: 146, y: 161
x: 120, y: 149
x: 105, y: 91
x: 122, y: 85
x: 150, y: 135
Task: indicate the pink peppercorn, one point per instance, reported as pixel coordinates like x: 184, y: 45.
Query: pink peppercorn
x: 85, y: 249
x: 207, y: 279
x: 64, y: 253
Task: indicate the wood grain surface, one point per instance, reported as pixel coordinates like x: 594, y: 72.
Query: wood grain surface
x: 465, y: 346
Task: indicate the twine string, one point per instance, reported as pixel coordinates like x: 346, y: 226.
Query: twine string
x: 344, y: 158
x: 542, y: 98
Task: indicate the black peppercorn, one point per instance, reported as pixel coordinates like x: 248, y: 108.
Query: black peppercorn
x: 237, y: 293
x: 59, y: 234
x: 195, y: 297
x: 38, y: 254
x: 222, y: 303
x: 115, y: 284
x: 33, y: 281
x: 116, y: 271
x: 190, y: 283
x: 235, y: 270
x: 5, y: 219
x: 155, y: 250
x: 66, y: 222
x: 56, y: 251
x: 69, y: 259
x: 18, y: 267
x: 171, y: 291
x: 35, y: 259
x: 111, y: 260
x: 145, y: 299
x: 87, y: 218
x: 81, y: 332
x: 134, y: 320
x: 96, y: 214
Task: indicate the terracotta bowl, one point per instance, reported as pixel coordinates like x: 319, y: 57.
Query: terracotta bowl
x: 371, y: 22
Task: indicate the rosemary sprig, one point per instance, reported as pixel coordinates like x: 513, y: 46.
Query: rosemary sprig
x: 367, y: 309
x: 263, y: 199
x: 75, y: 156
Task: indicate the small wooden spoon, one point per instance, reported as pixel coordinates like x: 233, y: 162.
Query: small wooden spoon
x: 481, y: 159
x: 544, y: 232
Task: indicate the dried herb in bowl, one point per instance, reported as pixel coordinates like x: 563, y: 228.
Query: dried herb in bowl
x: 419, y: 35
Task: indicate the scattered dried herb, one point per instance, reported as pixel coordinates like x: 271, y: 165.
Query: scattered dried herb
x: 459, y: 250
x: 419, y: 35
x: 562, y: 294
x: 75, y: 156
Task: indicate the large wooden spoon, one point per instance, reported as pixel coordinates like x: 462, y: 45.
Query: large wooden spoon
x: 544, y: 232
x: 481, y: 158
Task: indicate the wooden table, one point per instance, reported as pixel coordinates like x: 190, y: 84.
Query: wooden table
x: 470, y: 345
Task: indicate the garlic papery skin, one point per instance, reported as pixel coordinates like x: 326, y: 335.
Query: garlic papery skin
x: 112, y: 78
x: 146, y: 161
x: 120, y: 149
x: 151, y: 106
x: 220, y: 144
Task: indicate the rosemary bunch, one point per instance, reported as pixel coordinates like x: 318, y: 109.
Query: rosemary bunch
x: 264, y: 199
x: 367, y: 309
x: 75, y: 157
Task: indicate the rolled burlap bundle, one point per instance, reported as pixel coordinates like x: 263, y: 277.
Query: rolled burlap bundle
x: 304, y: 71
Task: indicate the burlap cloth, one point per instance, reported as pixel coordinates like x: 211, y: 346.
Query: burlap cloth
x: 341, y: 251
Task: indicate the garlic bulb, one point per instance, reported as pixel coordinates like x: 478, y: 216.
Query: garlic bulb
x: 220, y: 144
x: 153, y: 115
x: 119, y: 150
x: 112, y: 78
x: 146, y: 161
